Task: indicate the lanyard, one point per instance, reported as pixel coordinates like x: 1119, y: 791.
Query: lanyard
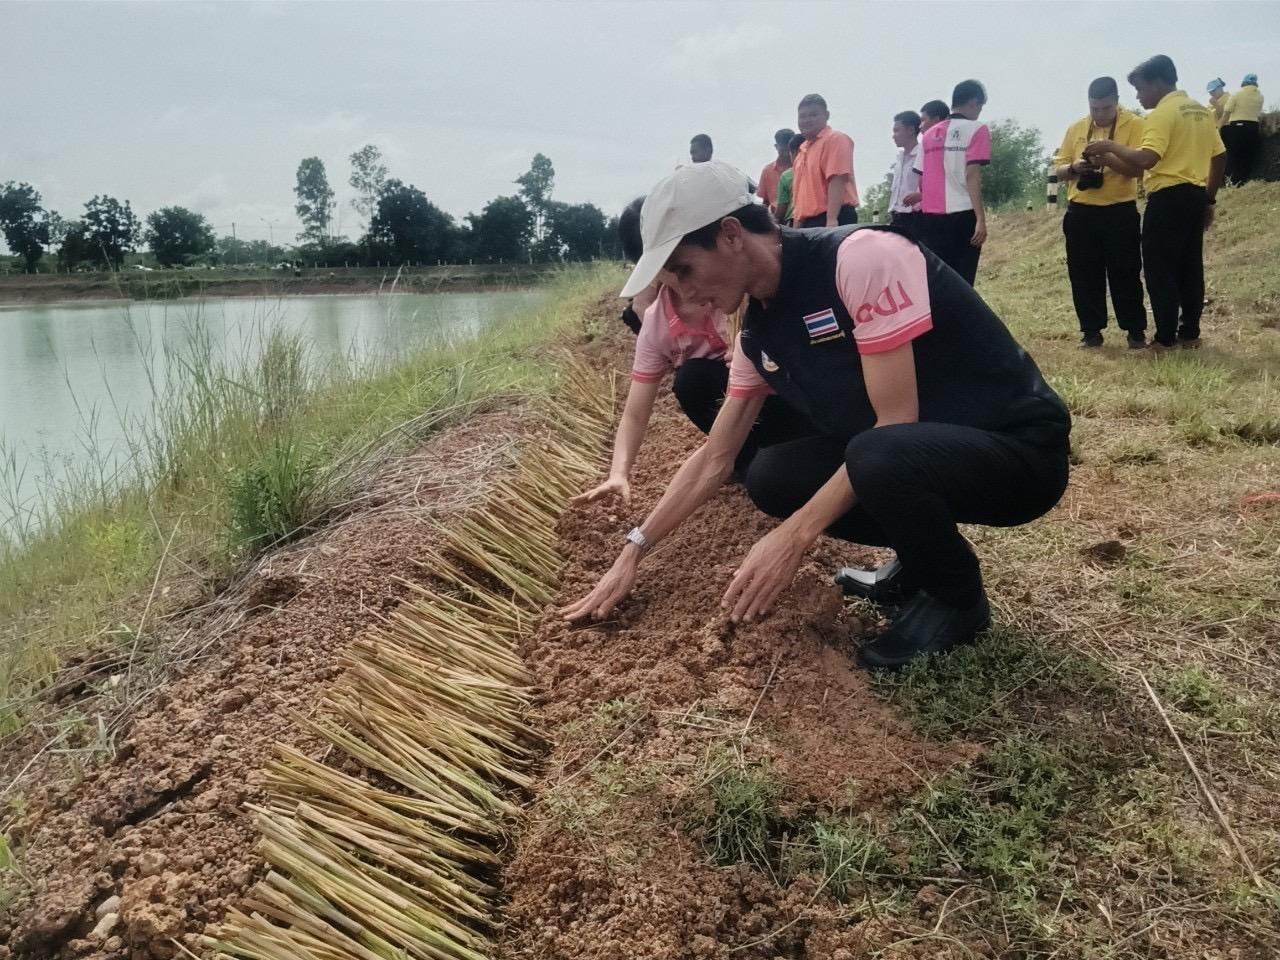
x: 1111, y: 134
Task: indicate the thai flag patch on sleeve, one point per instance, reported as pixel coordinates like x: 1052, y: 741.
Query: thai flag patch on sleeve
x: 822, y: 325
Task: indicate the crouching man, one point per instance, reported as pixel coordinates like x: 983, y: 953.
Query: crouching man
x: 924, y: 411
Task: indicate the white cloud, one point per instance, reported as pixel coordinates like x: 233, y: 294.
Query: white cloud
x: 699, y: 55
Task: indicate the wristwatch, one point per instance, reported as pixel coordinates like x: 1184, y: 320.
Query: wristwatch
x: 639, y: 539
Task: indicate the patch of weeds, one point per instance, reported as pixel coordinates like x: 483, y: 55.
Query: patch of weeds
x: 1201, y: 698
x: 742, y: 817
x: 1263, y: 430
x: 847, y: 854
x: 277, y: 497
x: 12, y: 878
x: 1136, y: 452
x: 986, y: 683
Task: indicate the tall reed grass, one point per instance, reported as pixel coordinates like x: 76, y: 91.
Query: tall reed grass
x: 230, y: 458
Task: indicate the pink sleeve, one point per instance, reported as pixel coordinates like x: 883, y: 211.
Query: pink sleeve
x: 979, y: 149
x: 651, y: 362
x: 744, y: 378
x: 882, y: 281
x: 839, y: 157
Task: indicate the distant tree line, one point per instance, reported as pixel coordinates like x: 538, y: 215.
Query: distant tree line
x: 400, y: 226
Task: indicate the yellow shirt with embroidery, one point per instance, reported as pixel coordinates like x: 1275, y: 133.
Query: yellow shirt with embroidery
x: 1245, y: 104
x: 1184, y: 135
x: 1115, y: 187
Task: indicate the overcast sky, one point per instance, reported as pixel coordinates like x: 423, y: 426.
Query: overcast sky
x: 212, y: 105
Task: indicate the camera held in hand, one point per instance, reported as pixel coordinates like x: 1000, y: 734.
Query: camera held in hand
x: 1091, y: 179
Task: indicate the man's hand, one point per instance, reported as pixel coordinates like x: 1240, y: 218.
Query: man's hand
x: 911, y: 199
x: 614, y: 486
x: 1098, y: 148
x: 979, y: 233
x: 614, y: 587
x: 768, y: 570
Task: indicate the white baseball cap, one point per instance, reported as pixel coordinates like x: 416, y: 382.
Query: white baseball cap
x: 688, y: 200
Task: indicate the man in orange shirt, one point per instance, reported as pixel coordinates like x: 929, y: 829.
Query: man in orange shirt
x: 772, y: 173
x: 823, y: 193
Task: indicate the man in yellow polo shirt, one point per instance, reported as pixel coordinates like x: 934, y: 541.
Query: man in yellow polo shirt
x: 1104, y: 239
x: 1241, y: 131
x: 1184, y: 160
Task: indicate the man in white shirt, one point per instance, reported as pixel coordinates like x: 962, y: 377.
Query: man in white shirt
x: 904, y: 195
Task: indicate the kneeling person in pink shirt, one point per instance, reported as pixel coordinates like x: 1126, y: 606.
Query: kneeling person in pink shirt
x: 688, y: 340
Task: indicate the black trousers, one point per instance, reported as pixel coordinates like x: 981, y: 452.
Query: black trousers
x: 1104, y: 245
x: 848, y: 214
x: 908, y: 223
x: 914, y: 482
x: 1173, y: 260
x: 700, y: 386
x: 948, y: 235
x: 1243, y: 140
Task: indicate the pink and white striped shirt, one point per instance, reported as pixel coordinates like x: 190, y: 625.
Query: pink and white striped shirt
x: 946, y: 151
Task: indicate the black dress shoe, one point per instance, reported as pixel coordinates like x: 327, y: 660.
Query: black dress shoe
x: 1137, y: 341
x: 925, y: 625
x: 888, y: 584
x: 1090, y: 341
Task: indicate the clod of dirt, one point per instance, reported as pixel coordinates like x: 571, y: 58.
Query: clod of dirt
x: 1106, y: 553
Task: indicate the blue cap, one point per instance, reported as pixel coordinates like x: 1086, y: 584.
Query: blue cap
x: 1215, y: 84
x: 1250, y: 80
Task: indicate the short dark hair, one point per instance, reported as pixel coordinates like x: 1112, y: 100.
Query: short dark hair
x: 967, y: 90
x: 1158, y: 67
x: 701, y: 138
x: 754, y: 217
x: 908, y: 118
x: 811, y: 100
x: 936, y: 110
x: 783, y: 136
x: 1102, y: 88
x: 629, y: 230
x: 796, y: 142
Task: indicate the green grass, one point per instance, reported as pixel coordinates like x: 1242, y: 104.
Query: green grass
x: 236, y: 460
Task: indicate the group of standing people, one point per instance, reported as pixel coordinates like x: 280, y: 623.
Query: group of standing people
x: 1177, y: 153
x: 1239, y: 118
x: 937, y: 183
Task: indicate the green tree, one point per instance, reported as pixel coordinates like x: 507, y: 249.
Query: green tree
x: 315, y: 201
x: 407, y: 227
x: 23, y: 222
x: 502, y: 231
x: 234, y: 250
x: 177, y: 236
x: 876, y: 197
x: 111, y: 230
x: 1019, y: 162
x: 576, y: 231
x: 368, y: 177
x: 535, y: 189
x: 74, y: 248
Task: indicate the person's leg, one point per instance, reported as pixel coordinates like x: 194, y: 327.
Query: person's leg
x: 848, y: 215
x: 1086, y: 268
x: 1191, y: 273
x: 817, y: 221
x: 1228, y: 134
x: 699, y: 387
x: 1122, y: 241
x: 784, y: 477
x: 1160, y: 263
x: 965, y: 254
x: 1248, y: 146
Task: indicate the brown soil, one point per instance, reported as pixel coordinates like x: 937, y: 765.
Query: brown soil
x: 157, y: 838
x: 609, y: 865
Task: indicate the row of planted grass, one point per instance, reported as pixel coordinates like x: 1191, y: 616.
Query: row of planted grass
x: 231, y: 462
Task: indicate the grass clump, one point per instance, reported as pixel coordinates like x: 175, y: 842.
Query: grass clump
x: 742, y: 817
x: 277, y: 497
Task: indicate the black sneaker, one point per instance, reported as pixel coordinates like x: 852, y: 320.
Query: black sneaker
x: 925, y: 625
x: 1137, y: 341
x: 888, y: 584
x: 1090, y: 341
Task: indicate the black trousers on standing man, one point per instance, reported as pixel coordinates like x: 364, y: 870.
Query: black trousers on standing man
x: 1104, y: 246
x: 1173, y: 259
x: 949, y: 235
